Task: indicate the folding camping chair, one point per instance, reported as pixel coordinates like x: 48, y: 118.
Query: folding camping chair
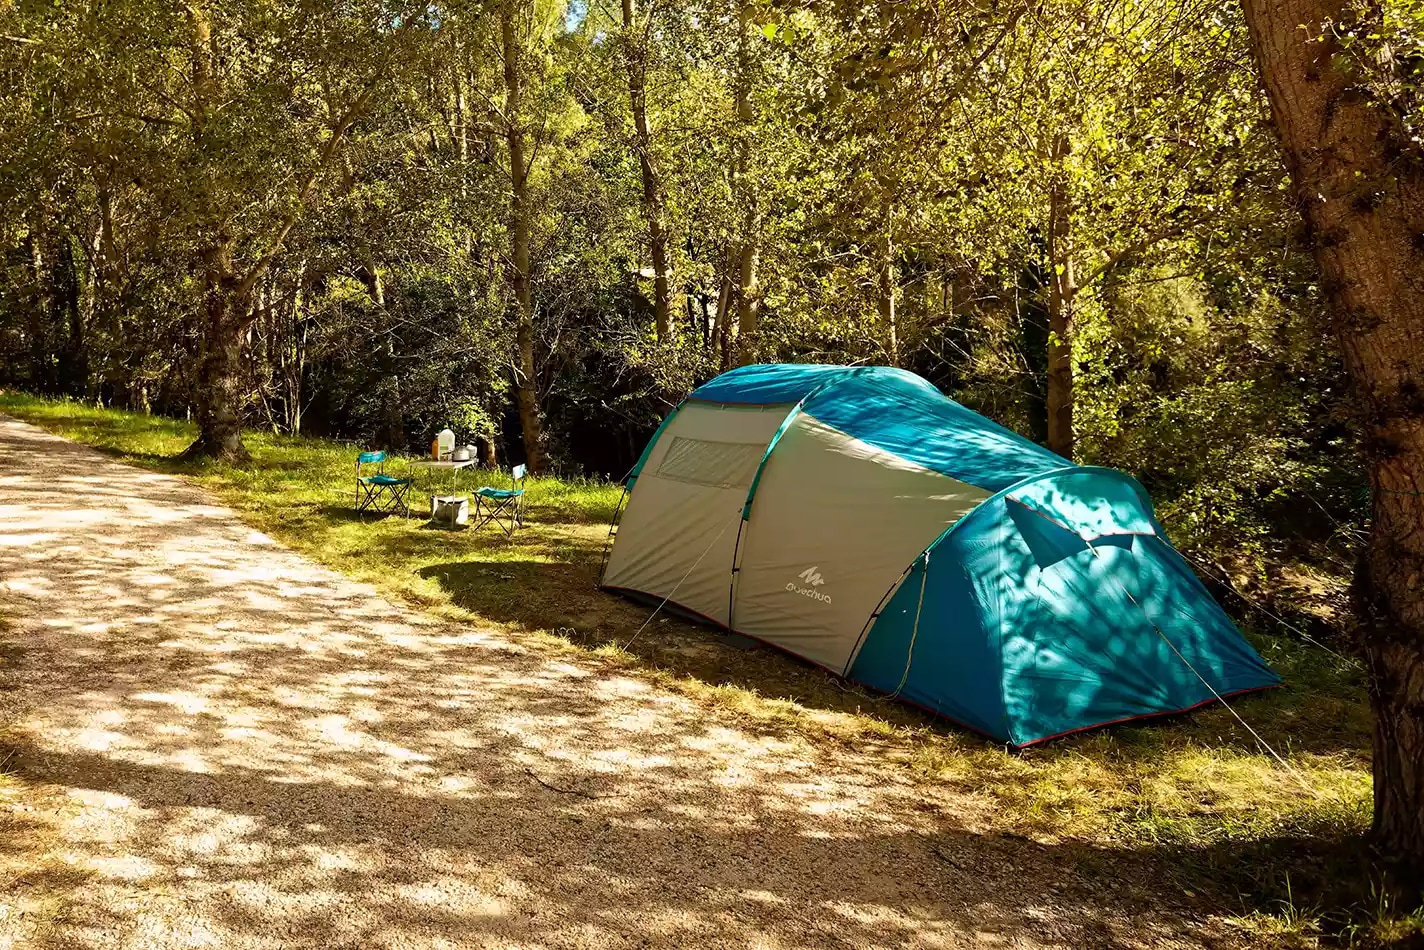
x: 380, y: 492
x: 503, y: 506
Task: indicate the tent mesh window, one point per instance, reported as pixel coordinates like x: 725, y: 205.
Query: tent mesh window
x: 716, y: 464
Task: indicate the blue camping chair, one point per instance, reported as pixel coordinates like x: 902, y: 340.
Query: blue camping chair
x: 379, y: 491
x: 503, y: 506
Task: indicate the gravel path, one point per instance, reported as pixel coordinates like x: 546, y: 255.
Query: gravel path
x: 240, y: 748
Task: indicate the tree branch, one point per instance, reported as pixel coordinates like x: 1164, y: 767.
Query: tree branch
x: 328, y: 156
x: 1136, y: 247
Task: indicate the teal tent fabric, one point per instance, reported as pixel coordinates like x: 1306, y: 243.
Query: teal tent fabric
x: 770, y: 384
x: 1070, y: 627
x: 1095, y: 502
x: 951, y: 669
x: 1055, y: 605
x: 893, y: 410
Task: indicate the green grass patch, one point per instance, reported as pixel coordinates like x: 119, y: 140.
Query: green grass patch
x: 1193, y: 803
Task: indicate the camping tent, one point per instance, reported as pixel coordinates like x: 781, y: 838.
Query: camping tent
x: 859, y: 519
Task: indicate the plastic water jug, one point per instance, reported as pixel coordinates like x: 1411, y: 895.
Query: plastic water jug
x: 445, y: 440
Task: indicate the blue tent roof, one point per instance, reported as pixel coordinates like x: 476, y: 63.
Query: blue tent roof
x: 895, y: 411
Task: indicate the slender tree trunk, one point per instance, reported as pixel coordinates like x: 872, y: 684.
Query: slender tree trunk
x: 109, y: 273
x: 889, y: 286
x: 748, y: 303
x: 42, y: 372
x: 462, y: 119
x: 1030, y: 318
x: 68, y: 300
x: 749, y: 252
x: 462, y: 136
x: 721, y: 328
x: 526, y: 393
x: 636, y: 58
x: 88, y: 310
x: 295, y: 352
x: 1061, y: 290
x: 264, y: 345
x: 1359, y: 178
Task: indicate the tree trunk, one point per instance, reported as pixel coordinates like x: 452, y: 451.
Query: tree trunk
x: 294, y: 360
x: 219, y: 395
x: 87, y: 311
x: 1030, y: 319
x: 67, y: 298
x: 42, y: 369
x: 1359, y: 179
x: 721, y: 328
x: 462, y: 136
x: 526, y: 393
x: 745, y: 193
x: 636, y: 58
x: 889, y: 285
x: 1061, y: 290
x: 748, y: 304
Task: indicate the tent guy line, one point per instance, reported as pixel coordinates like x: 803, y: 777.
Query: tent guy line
x: 1219, y: 698
x: 660, y: 606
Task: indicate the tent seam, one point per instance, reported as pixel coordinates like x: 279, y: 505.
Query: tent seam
x: 875, y: 614
x: 796, y: 409
x: 637, y: 468
x: 1010, y: 726
x: 744, y: 524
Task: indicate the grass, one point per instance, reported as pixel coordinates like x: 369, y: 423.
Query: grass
x: 1193, y: 801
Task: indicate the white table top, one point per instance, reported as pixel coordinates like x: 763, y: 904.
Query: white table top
x: 442, y: 463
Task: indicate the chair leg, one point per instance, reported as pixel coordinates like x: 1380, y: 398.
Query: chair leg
x: 487, y: 511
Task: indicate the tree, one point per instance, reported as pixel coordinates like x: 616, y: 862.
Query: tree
x: 1129, y: 117
x: 634, y: 36
x: 746, y: 295
x: 1343, y: 101
x: 840, y: 182
x: 514, y: 15
x: 230, y: 282
x: 202, y: 139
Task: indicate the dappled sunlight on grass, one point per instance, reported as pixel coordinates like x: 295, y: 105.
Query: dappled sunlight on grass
x: 1182, y: 794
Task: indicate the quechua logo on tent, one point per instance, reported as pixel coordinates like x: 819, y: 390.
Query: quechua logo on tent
x: 812, y: 577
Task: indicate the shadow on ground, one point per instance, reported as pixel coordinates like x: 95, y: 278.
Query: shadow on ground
x: 256, y: 751
x: 563, y: 596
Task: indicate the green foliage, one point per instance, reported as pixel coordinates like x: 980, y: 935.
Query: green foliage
x: 840, y: 182
x: 1221, y: 413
